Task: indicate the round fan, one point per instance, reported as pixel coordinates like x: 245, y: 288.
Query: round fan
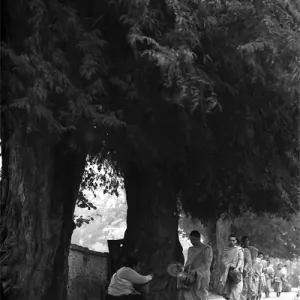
x: 174, y: 269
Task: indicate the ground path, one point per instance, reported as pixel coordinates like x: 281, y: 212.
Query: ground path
x: 284, y: 296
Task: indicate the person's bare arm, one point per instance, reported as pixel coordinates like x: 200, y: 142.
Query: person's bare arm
x: 135, y: 277
x: 247, y: 262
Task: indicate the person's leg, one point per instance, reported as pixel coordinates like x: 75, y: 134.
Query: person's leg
x: 260, y: 292
x: 279, y: 289
x: 255, y: 289
x: 259, y: 289
x: 202, y: 293
x: 275, y: 288
x: 246, y: 284
x: 226, y: 290
x: 236, y: 290
x: 251, y: 288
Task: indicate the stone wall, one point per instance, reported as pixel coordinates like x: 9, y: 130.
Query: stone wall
x: 88, y: 274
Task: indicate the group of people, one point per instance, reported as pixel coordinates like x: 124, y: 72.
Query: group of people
x: 244, y: 274
x: 258, y: 273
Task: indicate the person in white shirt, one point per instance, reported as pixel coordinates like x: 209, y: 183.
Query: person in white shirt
x: 122, y: 282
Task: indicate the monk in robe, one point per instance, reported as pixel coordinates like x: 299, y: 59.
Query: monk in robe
x: 231, y: 270
x: 248, y: 270
x: 198, y: 263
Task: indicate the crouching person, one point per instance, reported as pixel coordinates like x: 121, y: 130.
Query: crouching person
x: 122, y: 282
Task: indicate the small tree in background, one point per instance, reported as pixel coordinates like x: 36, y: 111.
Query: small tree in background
x: 187, y: 224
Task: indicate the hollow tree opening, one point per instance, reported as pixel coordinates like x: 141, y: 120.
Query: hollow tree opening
x: 101, y: 216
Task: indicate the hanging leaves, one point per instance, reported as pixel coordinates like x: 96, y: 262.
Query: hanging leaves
x: 207, y: 89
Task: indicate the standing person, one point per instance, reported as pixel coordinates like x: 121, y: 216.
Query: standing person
x: 248, y: 270
x: 252, y: 287
x: 231, y: 269
x: 122, y: 282
x: 252, y: 293
x: 198, y: 263
x: 269, y: 274
x: 259, y: 275
x: 279, y: 278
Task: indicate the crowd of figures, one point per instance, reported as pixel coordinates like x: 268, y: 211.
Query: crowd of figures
x: 244, y: 273
x: 258, y: 273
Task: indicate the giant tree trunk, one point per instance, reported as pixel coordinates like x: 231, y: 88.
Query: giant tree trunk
x: 152, y: 228
x: 39, y: 191
x: 39, y: 187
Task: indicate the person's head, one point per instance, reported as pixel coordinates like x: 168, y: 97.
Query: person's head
x: 232, y: 240
x: 245, y: 241
x: 195, y: 237
x: 280, y: 266
x: 132, y: 262
x: 260, y: 255
x: 268, y: 262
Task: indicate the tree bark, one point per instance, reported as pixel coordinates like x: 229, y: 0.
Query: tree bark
x: 39, y: 187
x: 39, y: 192
x: 212, y: 238
x: 152, y: 227
x: 218, y: 232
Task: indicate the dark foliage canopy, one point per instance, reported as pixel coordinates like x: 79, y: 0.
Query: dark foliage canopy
x: 208, y: 90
